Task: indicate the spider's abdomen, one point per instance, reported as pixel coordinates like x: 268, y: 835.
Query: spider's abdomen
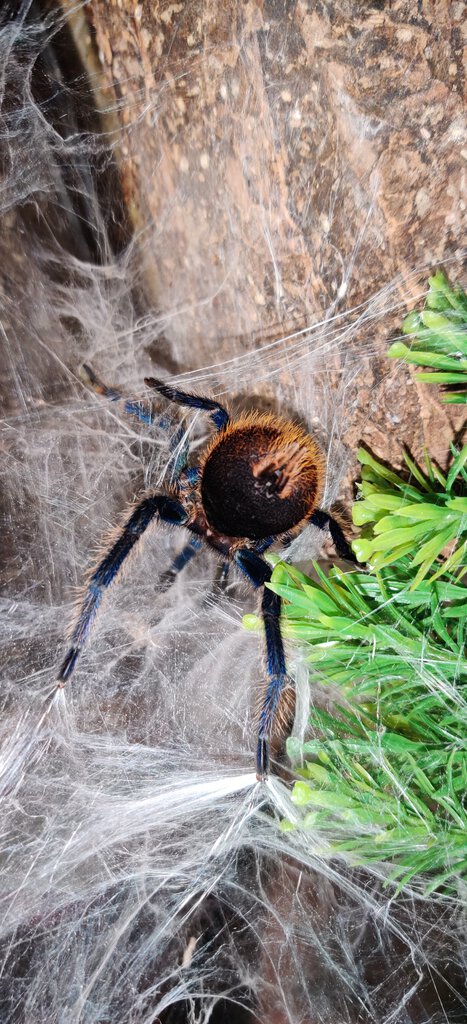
x: 260, y: 477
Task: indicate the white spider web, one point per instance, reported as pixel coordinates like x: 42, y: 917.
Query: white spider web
x: 144, y: 877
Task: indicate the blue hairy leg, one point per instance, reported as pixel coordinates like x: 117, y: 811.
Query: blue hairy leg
x: 138, y: 409
x: 159, y: 506
x: 323, y: 520
x: 184, y: 556
x: 259, y: 572
x: 178, y: 444
x: 218, y: 414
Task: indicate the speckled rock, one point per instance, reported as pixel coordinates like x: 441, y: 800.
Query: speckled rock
x: 282, y: 162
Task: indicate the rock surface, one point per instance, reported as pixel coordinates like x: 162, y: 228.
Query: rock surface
x: 283, y: 162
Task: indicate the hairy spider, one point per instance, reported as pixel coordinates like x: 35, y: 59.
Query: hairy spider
x: 260, y: 479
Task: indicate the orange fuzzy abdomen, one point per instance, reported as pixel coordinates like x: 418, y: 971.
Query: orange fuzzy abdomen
x: 261, y: 477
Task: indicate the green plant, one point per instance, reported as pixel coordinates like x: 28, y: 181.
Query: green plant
x: 424, y: 515
x: 385, y: 774
x: 439, y: 338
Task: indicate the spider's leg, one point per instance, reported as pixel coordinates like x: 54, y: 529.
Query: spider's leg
x: 224, y: 572
x: 219, y: 415
x: 192, y: 475
x: 138, y: 409
x: 184, y: 556
x: 259, y: 572
x: 322, y: 520
x: 179, y: 450
x: 169, y: 510
x: 178, y: 446
x: 263, y: 545
x: 220, y: 579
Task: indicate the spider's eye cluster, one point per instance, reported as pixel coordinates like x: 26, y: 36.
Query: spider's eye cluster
x: 261, y: 478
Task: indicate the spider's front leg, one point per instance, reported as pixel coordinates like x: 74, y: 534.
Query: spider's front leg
x: 178, y: 442
x: 160, y: 506
x: 277, y: 699
x: 132, y: 408
x: 218, y: 414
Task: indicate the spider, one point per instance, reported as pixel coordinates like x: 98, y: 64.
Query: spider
x: 260, y: 479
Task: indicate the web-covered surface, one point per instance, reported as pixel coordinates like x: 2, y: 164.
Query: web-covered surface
x: 143, y: 874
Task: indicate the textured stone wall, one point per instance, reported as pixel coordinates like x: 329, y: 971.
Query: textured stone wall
x: 283, y: 161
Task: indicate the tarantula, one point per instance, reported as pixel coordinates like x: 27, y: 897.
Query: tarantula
x: 260, y: 479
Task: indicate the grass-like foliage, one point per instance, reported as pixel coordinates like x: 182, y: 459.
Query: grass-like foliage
x: 385, y: 775
x: 439, y: 339
x: 422, y: 518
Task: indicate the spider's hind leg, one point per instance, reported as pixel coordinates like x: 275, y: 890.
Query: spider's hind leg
x: 279, y: 699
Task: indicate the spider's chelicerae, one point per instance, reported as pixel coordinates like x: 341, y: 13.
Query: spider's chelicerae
x: 259, y: 480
